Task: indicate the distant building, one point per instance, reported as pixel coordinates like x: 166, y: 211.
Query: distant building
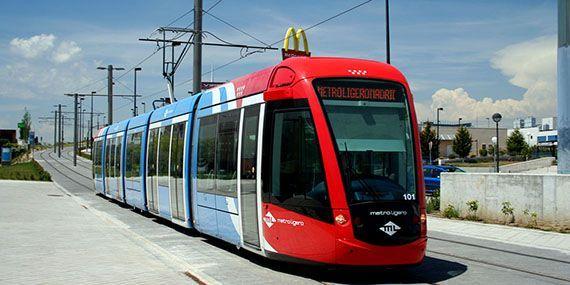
x: 528, y: 122
x: 545, y: 134
x: 8, y: 136
x: 481, y: 138
x: 549, y: 124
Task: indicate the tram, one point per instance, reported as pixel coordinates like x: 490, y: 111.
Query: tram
x: 314, y: 160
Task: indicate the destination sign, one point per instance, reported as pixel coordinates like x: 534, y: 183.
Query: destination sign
x: 359, y: 90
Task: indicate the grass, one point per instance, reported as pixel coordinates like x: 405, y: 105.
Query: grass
x: 31, y: 171
x: 84, y: 155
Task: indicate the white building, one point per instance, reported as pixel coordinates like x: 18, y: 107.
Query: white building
x: 544, y: 134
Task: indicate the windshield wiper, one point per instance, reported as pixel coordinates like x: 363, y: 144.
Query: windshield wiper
x: 350, y: 171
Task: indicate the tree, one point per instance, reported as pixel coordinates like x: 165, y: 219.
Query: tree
x: 462, y: 142
x: 25, y: 126
x: 428, y: 135
x: 516, y: 144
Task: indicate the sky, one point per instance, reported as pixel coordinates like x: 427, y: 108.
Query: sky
x: 473, y: 58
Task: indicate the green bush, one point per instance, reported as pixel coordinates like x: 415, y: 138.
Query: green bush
x: 483, y: 152
x: 433, y: 202
x: 450, y: 212
x: 452, y: 156
x: 532, y: 218
x: 509, y: 212
x: 472, y: 207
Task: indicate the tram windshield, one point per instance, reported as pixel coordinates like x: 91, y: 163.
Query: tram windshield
x: 371, y: 125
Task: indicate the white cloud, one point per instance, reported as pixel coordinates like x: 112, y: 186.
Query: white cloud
x: 530, y: 65
x: 34, y: 46
x: 65, y: 51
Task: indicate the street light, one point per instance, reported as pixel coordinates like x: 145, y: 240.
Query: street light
x: 497, y: 118
x: 91, y: 121
x: 144, y: 107
x: 135, y: 91
x: 460, y: 122
x: 488, y: 123
x: 437, y: 127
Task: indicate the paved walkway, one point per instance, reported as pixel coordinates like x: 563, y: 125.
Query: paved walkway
x: 500, y: 233
x: 48, y: 238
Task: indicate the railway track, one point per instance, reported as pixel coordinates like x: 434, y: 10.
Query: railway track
x: 73, y: 179
x: 68, y: 156
x: 503, y: 266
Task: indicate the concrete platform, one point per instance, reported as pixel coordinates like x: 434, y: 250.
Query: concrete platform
x: 48, y: 238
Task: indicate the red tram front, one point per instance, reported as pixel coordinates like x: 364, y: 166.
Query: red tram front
x: 341, y: 165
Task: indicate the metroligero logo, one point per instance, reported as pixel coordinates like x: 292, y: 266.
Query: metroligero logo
x: 269, y: 219
x: 390, y: 228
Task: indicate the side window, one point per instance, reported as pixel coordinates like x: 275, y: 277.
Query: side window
x: 177, y: 160
x: 226, y: 153
x: 112, y: 158
x: 136, y: 154
x: 295, y: 175
x: 206, y: 154
x: 128, y: 154
x: 249, y: 144
x: 118, y: 157
x: 163, y: 153
x: 151, y: 158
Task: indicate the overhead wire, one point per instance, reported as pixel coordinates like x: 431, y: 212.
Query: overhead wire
x: 246, y: 55
x: 192, y: 23
x: 236, y: 28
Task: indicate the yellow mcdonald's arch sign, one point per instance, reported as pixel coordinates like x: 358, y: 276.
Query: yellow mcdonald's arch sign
x: 297, y: 36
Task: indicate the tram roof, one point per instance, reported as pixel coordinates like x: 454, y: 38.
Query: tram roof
x: 120, y: 126
x: 139, y: 121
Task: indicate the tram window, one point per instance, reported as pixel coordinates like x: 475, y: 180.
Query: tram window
x: 163, y: 153
x: 96, y: 160
x: 128, y: 154
x: 136, y: 154
x: 107, y: 157
x: 112, y: 158
x: 226, y: 153
x: 297, y: 179
x: 206, y: 154
x: 118, y: 157
x: 151, y: 158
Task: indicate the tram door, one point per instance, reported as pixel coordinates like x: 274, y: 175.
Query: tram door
x: 151, y: 185
x: 249, y: 176
x: 177, y: 206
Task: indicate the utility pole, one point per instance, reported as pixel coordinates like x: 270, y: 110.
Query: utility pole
x: 197, y: 65
x: 563, y: 90
x: 75, y: 131
x: 55, y: 133
x: 110, y: 94
x: 110, y: 69
x: 135, y: 92
x: 60, y: 131
x: 387, y: 32
x: 91, y: 122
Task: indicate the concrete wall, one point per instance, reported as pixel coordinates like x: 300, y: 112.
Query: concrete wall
x: 548, y: 195
x: 527, y: 165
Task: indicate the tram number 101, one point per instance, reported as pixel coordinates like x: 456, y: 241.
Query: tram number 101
x: 409, y: 197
